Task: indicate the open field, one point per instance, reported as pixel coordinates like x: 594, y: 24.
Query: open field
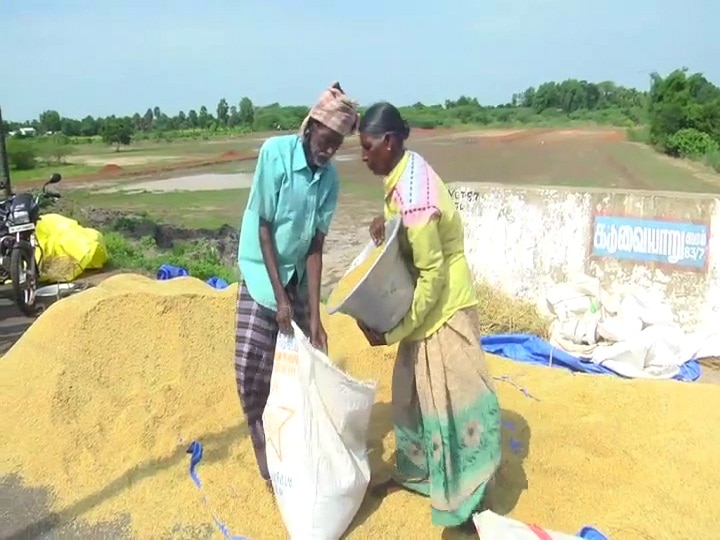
x: 578, y: 157
x: 600, y: 159
x: 99, y: 161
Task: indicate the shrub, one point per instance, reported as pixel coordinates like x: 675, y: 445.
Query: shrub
x: 21, y: 154
x: 691, y: 143
x: 199, y: 258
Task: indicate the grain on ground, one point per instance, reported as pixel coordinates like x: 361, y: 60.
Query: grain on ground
x: 102, y: 395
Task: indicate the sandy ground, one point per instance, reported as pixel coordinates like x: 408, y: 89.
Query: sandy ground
x: 197, y: 182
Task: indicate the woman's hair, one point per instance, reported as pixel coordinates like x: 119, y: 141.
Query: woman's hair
x: 383, y: 118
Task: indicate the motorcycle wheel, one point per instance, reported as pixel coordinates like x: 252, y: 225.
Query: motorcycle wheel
x: 23, y: 274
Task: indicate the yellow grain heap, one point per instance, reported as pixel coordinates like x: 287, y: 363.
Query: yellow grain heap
x: 102, y: 395
x: 349, y: 281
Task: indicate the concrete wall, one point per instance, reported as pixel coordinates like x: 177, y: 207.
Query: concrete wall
x: 525, y: 239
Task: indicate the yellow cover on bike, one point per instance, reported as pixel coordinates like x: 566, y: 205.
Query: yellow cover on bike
x: 68, y: 248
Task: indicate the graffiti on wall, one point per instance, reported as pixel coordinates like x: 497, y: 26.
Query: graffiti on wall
x: 674, y: 243
x: 464, y: 197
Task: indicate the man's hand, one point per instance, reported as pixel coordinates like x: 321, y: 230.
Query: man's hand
x: 284, y: 316
x: 318, y: 337
x: 377, y: 230
x: 375, y: 339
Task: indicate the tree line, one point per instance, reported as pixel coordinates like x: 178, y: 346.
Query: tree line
x: 572, y: 98
x: 680, y: 114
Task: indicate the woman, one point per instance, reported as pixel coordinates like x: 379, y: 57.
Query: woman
x: 446, y: 414
x: 292, y: 201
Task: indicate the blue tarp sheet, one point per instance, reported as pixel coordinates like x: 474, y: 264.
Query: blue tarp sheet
x: 168, y: 271
x: 531, y: 349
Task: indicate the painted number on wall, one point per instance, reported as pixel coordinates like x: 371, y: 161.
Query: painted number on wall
x: 463, y: 197
x: 648, y: 240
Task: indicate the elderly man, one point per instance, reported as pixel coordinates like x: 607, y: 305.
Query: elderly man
x: 292, y: 201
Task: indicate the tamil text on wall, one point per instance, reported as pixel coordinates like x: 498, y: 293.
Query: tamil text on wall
x: 675, y: 243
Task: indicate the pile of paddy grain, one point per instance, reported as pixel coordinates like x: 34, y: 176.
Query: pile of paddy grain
x: 103, y: 394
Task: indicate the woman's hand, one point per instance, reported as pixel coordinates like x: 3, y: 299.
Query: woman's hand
x: 375, y: 339
x: 377, y: 230
x: 284, y: 316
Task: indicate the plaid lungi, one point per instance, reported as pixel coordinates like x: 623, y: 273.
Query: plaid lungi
x: 255, y: 335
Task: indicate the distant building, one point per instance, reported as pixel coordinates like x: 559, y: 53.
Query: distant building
x: 24, y: 132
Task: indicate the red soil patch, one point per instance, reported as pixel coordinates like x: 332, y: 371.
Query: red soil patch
x: 547, y: 135
x: 111, y: 170
x: 231, y: 154
x: 615, y: 136
x: 520, y: 135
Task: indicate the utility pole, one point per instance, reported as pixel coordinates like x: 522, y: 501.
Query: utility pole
x: 4, y: 164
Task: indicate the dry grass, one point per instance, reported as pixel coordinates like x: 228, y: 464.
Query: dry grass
x: 503, y: 314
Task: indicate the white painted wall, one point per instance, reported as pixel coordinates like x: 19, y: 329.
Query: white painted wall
x: 523, y: 240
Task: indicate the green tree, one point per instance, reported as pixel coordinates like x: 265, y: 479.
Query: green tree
x: 222, y: 112
x: 89, y: 127
x: 117, y: 131
x: 182, y: 120
x: 50, y: 121
x: 204, y: 118
x: 148, y: 119
x: 233, y: 118
x: 246, y: 112
x: 680, y: 102
x: 193, y: 118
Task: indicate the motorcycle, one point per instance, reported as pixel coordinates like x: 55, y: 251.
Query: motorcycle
x: 19, y: 215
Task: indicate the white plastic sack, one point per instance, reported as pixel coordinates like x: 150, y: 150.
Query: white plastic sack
x: 316, y: 422
x: 582, y: 330
x: 640, y: 304
x: 568, y: 300
x: 491, y: 526
x: 654, y: 353
x: 619, y: 328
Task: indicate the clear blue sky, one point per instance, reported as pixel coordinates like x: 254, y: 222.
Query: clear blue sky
x: 103, y: 57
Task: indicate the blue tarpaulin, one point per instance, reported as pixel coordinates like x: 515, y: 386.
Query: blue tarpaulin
x: 168, y: 271
x: 531, y: 349
x: 217, y: 283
